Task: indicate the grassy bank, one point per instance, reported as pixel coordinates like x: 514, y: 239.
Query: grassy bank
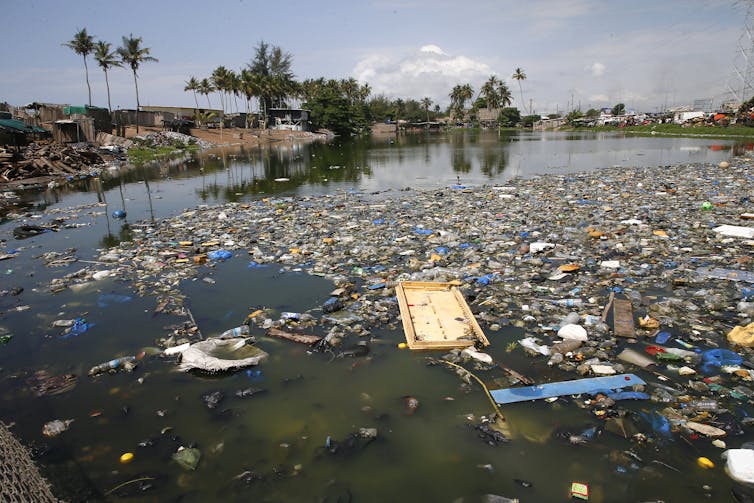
x: 141, y: 154
x: 676, y: 130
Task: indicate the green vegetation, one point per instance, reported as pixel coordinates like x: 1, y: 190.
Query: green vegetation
x: 675, y: 129
x: 144, y: 152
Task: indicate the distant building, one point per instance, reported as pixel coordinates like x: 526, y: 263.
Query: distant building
x: 288, y: 119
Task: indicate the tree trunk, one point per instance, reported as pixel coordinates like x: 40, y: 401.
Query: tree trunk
x: 521, y: 91
x: 196, y: 101
x: 136, y: 85
x: 107, y: 83
x: 86, y: 71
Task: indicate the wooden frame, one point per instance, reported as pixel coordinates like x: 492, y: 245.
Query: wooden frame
x: 436, y: 316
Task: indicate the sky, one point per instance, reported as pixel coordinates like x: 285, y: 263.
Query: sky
x: 647, y: 54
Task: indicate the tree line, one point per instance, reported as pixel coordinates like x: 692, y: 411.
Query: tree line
x: 342, y: 105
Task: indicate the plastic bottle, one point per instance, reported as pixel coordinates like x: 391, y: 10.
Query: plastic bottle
x: 332, y: 304
x: 236, y: 332
x: 568, y: 302
x: 112, y: 364
x: 703, y: 405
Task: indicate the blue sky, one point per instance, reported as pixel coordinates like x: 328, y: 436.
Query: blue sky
x: 646, y: 54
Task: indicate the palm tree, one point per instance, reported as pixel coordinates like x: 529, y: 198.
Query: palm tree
x: 426, y: 103
x: 506, y: 98
x: 106, y: 59
x: 205, y: 88
x: 490, y: 92
x: 193, y: 85
x: 519, y: 75
x: 133, y: 55
x: 83, y: 44
x: 249, y: 87
x: 221, y: 81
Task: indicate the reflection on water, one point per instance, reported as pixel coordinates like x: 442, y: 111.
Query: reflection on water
x: 426, y: 160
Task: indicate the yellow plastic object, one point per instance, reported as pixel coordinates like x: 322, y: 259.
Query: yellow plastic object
x: 742, y: 336
x: 705, y: 463
x: 126, y: 457
x: 402, y: 345
x: 569, y: 267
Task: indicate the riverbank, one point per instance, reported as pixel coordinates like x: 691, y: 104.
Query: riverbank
x: 239, y: 136
x: 730, y: 132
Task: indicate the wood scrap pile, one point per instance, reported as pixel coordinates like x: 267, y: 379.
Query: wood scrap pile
x: 46, y: 159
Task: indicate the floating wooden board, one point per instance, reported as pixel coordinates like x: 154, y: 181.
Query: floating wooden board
x: 623, y: 318
x: 589, y: 385
x: 436, y: 316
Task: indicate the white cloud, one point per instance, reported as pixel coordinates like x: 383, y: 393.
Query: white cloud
x: 428, y: 72
x: 597, y: 69
x: 433, y: 49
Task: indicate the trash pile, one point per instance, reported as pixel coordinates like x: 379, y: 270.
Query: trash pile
x: 170, y: 138
x: 49, y: 159
x: 643, y: 270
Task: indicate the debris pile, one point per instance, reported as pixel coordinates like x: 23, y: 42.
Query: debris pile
x: 170, y: 138
x: 48, y: 159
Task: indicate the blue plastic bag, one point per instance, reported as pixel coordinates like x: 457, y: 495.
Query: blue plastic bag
x: 219, y: 255
x: 716, y: 358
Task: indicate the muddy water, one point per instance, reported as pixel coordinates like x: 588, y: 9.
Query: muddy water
x: 273, y: 446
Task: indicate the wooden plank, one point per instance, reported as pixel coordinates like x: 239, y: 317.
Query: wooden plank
x: 623, y: 318
x: 436, y: 316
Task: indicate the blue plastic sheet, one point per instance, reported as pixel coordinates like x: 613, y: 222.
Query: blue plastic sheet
x: 588, y: 385
x: 219, y: 255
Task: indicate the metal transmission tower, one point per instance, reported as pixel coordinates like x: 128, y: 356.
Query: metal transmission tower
x: 740, y: 85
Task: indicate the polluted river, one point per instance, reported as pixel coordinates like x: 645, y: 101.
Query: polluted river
x: 579, y: 256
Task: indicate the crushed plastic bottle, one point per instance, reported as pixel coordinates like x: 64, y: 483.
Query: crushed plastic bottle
x: 123, y: 362
x: 239, y: 331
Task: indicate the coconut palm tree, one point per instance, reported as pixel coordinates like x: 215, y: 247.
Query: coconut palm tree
x: 249, y: 87
x: 220, y: 79
x: 133, y: 54
x: 490, y: 92
x: 426, y: 103
x: 506, y: 97
x: 83, y: 44
x: 193, y: 85
x: 106, y: 59
x: 519, y: 75
x: 205, y: 88
x: 460, y: 94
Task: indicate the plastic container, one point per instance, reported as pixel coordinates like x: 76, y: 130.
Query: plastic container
x: 739, y: 465
x: 332, y: 304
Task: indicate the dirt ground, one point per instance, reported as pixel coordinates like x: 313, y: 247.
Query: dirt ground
x: 234, y: 136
